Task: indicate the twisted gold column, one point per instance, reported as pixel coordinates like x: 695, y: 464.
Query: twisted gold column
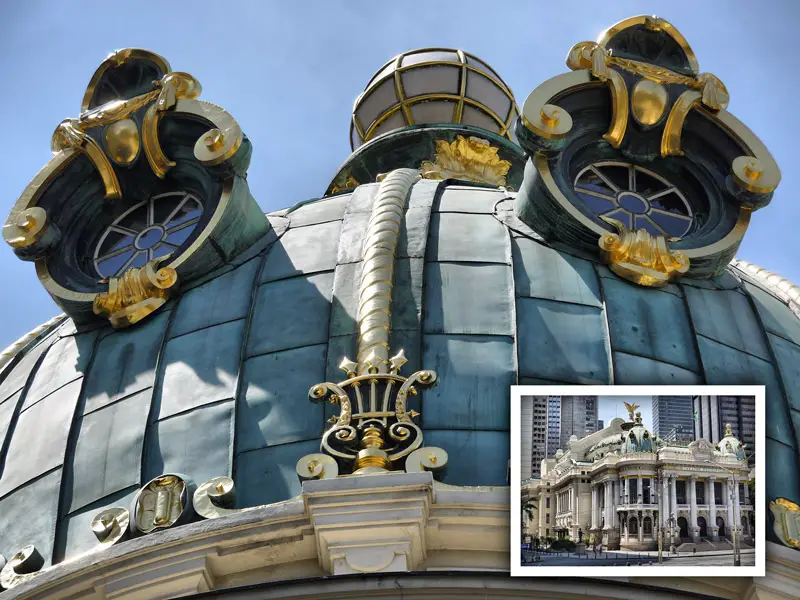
x: 377, y: 275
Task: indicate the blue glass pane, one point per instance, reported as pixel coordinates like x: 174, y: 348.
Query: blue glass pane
x: 671, y: 203
x: 644, y: 223
x: 178, y: 237
x: 674, y: 226
x: 109, y: 267
x: 632, y: 203
x: 597, y: 205
x: 149, y: 238
x: 622, y: 216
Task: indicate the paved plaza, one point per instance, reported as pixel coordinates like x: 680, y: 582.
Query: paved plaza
x: 622, y: 558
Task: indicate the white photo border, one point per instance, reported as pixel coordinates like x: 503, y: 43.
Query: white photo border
x: 758, y: 570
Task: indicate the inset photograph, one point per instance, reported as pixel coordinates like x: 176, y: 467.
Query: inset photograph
x: 657, y: 481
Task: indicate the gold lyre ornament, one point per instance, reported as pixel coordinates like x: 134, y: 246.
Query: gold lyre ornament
x: 640, y: 257
x: 375, y: 431
x: 136, y: 294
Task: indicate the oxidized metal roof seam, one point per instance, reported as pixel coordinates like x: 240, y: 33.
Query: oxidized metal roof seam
x: 695, y: 335
x: 743, y: 351
x: 433, y: 192
x: 775, y: 366
x: 204, y: 327
x: 293, y: 226
x: 12, y: 423
x: 466, y: 262
x: 31, y: 481
x: 303, y: 203
x: 513, y: 304
x: 770, y: 332
x: 573, y: 302
x: 26, y: 343
x: 155, y: 397
x: 276, y: 445
x: 296, y: 275
x: 69, y: 454
x: 99, y: 503
x: 243, y: 357
x: 607, y: 326
x: 50, y: 393
x: 192, y: 409
x: 659, y: 360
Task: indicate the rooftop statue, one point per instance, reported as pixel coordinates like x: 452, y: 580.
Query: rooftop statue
x: 464, y: 246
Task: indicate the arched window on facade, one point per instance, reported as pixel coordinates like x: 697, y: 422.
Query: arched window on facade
x: 633, y: 526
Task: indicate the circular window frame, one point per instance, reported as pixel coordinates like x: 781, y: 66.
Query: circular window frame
x: 132, y: 248
x: 668, y: 188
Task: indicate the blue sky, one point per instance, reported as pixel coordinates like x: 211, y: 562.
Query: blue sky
x: 289, y: 72
x: 609, y: 407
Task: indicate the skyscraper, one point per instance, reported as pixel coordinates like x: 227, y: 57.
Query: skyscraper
x: 670, y: 412
x: 578, y: 417
x: 533, y: 429
x: 553, y: 425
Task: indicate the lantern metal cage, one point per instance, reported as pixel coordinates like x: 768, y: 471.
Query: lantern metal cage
x: 433, y: 85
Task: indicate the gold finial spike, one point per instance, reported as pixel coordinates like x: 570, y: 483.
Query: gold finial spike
x: 397, y: 362
x: 348, y: 366
x: 728, y: 429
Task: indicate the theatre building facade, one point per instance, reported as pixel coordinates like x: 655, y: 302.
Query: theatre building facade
x: 620, y: 486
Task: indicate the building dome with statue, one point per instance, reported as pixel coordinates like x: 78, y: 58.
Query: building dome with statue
x: 315, y: 401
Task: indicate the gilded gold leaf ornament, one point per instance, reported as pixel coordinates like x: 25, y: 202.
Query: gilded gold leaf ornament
x: 673, y: 129
x: 786, y: 523
x: 472, y: 158
x: 428, y: 458
x: 161, y: 503
x: 317, y: 466
x: 752, y: 175
x: 215, y: 498
x: 123, y: 141
x: 21, y: 567
x: 25, y: 228
x: 649, y: 101
x: 136, y: 294
x: 110, y: 526
x: 69, y: 136
x: 640, y: 257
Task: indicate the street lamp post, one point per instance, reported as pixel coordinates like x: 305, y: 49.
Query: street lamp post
x: 660, y: 542
x: 737, y: 555
x: 671, y: 523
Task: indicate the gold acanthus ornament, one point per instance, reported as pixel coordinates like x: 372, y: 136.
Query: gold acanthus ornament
x: 470, y: 158
x: 641, y: 257
x: 136, y: 294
